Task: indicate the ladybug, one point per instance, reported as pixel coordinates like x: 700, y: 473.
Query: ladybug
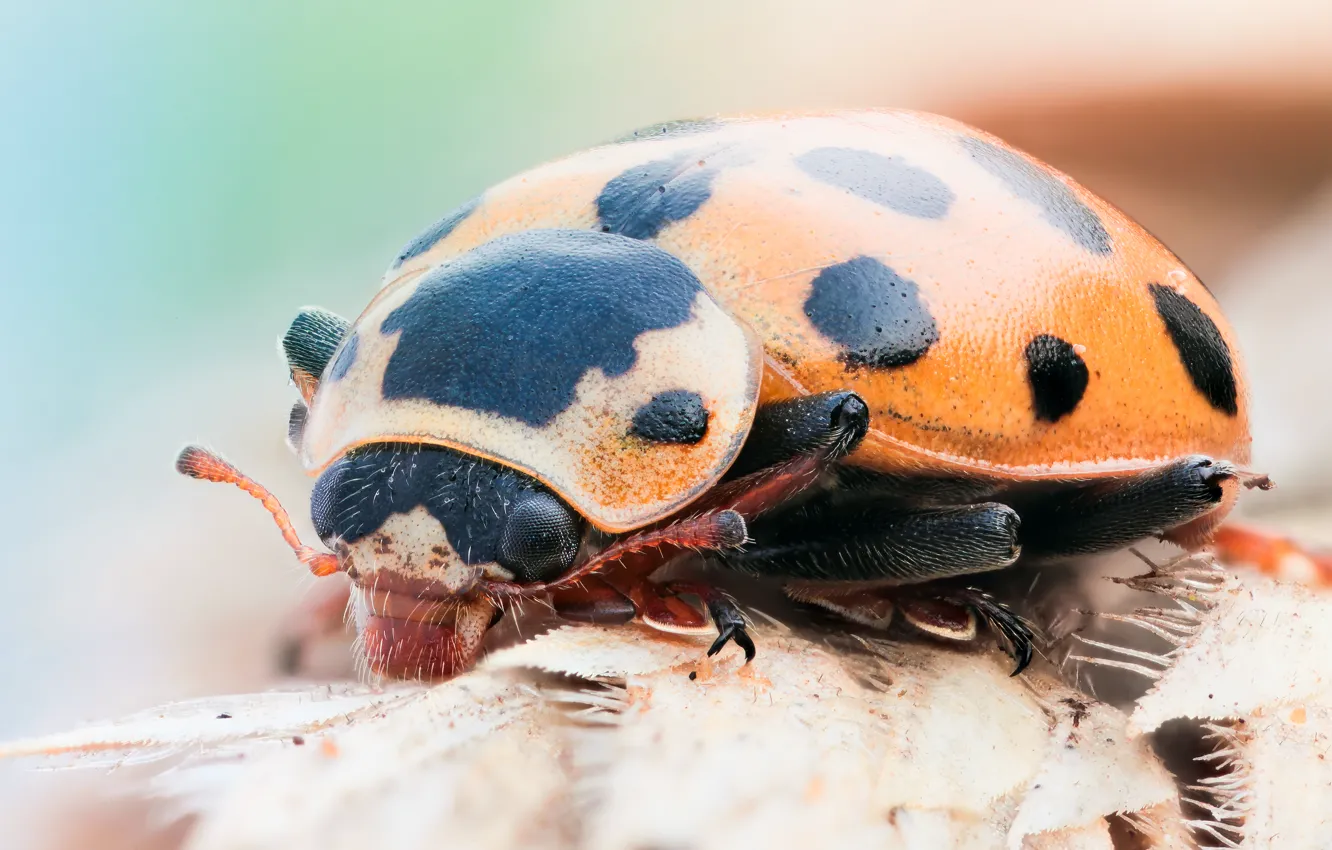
x: 868, y: 354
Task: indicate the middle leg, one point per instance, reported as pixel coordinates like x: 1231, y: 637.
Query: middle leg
x: 864, y: 558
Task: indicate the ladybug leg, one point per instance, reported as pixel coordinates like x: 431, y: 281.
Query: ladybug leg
x: 667, y: 612
x: 873, y: 608
x: 951, y: 614
x: 593, y: 601
x: 826, y: 428
x: 706, y: 532
x: 933, y: 614
x: 801, y: 426
x: 1180, y: 501
x: 309, y: 344
x: 661, y: 607
x: 1277, y: 556
x: 867, y: 540
x: 726, y: 616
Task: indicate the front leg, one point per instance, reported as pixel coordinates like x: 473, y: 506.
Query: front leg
x: 726, y: 616
x: 660, y: 606
x: 604, y: 600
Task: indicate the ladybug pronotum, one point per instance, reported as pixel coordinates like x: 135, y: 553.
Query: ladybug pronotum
x: 862, y: 353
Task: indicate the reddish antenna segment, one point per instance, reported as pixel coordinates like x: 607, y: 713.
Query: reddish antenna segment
x: 200, y: 463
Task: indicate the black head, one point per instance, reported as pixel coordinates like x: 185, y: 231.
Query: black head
x: 439, y: 520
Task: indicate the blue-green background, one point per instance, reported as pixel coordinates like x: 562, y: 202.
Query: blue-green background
x: 179, y: 175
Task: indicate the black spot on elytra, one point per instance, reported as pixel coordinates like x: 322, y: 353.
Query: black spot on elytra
x: 512, y: 326
x: 886, y: 180
x: 673, y: 416
x: 472, y: 498
x: 670, y: 129
x: 1059, y: 205
x: 1205, y: 355
x: 312, y: 338
x: 1057, y: 376
x: 345, y: 359
x: 647, y: 197
x: 436, y: 232
x: 875, y: 314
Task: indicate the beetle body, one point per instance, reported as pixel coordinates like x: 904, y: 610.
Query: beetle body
x: 885, y: 345
x: 917, y: 261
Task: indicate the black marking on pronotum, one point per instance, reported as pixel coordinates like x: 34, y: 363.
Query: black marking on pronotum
x: 875, y: 314
x: 1059, y: 205
x: 1057, y: 375
x: 345, y: 358
x: 645, y: 198
x: 670, y: 129
x: 312, y: 338
x: 436, y: 232
x: 475, y: 500
x: 673, y: 416
x: 888, y: 181
x: 511, y: 327
x: 1204, y: 353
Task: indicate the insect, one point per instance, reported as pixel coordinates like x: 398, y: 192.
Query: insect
x: 866, y: 354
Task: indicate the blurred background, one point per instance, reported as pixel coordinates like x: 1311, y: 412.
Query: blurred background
x: 177, y: 178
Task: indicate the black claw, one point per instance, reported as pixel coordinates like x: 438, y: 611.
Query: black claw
x: 1021, y: 651
x: 730, y: 625
x: 1015, y: 633
x: 741, y: 638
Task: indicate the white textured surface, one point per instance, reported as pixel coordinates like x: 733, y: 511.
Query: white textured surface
x: 1264, y: 645
x: 1091, y: 767
x: 614, y: 745
x: 202, y: 725
x: 1289, y: 760
x: 599, y: 738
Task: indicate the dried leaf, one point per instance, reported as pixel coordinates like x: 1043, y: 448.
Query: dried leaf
x: 1264, y: 645
x: 1249, y: 656
x: 208, y: 724
x: 446, y: 763
x: 622, y: 737
x: 1092, y: 768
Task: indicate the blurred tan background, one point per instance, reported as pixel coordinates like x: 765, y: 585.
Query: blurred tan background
x: 179, y: 178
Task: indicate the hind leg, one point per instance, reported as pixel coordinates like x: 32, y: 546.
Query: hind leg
x: 1277, y: 556
x: 865, y: 559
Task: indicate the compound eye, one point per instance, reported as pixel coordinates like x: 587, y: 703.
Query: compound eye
x: 540, y: 538
x: 323, y: 500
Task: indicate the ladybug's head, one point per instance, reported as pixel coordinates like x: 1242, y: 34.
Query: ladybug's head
x: 430, y: 521
x: 420, y: 530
